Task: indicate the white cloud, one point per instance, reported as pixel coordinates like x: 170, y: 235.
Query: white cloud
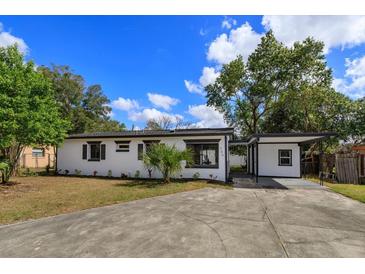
x: 227, y: 23
x: 125, y: 104
x: 207, y: 116
x: 242, y: 40
x: 334, y: 31
x: 152, y: 113
x: 162, y: 101
x: 193, y: 88
x: 208, y: 77
x: 353, y: 84
x: 6, y: 39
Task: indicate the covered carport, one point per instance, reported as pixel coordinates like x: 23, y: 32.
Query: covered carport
x: 278, y: 155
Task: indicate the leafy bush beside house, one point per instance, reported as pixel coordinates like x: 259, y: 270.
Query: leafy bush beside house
x: 29, y: 112
x: 166, y: 159
x: 4, y: 172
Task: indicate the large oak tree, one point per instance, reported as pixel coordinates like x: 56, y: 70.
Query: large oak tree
x: 249, y: 93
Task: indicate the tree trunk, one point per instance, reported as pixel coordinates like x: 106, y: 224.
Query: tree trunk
x: 166, y: 176
x: 12, y: 154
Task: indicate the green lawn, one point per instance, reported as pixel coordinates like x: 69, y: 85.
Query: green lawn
x: 40, y: 196
x: 356, y: 192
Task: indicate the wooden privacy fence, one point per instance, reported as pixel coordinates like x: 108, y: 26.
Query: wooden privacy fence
x: 347, y: 168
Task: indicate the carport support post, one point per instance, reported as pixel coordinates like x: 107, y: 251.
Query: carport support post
x: 257, y: 163
x: 320, y: 162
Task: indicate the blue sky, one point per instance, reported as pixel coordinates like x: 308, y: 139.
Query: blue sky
x: 150, y: 66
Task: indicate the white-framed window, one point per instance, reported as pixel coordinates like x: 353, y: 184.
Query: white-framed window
x: 285, y: 157
x: 205, y: 155
x: 37, y: 152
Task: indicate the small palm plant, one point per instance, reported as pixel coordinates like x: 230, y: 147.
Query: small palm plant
x: 166, y: 159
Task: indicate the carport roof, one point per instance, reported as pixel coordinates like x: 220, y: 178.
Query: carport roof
x: 288, y: 137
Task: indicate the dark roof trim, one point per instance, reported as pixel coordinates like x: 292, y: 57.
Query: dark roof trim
x: 123, y: 142
x: 294, y: 134
x: 202, y: 141
x: 146, y: 133
x: 318, y: 136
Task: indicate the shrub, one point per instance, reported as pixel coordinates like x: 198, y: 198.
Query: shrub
x: 166, y: 159
x: 28, y: 172
x: 123, y: 175
x: 137, y: 174
x: 110, y: 173
x: 67, y: 171
x: 77, y: 172
x: 149, y: 172
x: 5, y: 171
x: 95, y: 172
x: 196, y: 175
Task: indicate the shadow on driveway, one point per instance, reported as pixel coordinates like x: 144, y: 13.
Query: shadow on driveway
x: 274, y: 183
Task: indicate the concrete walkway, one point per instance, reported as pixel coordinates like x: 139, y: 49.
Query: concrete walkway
x: 201, y: 223
x: 274, y: 183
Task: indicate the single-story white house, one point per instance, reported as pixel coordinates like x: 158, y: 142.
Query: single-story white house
x: 121, y: 153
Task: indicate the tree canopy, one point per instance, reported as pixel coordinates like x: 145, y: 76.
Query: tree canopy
x: 86, y: 107
x: 282, y: 89
x: 29, y: 113
x: 168, y: 123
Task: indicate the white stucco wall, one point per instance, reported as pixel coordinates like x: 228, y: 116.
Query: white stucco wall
x: 269, y: 162
x: 69, y: 156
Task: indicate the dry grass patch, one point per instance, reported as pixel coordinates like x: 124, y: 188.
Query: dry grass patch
x: 35, y: 197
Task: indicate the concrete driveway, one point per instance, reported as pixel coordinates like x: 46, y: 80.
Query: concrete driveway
x: 201, y: 223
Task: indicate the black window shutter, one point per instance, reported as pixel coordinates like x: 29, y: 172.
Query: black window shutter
x: 84, y: 152
x: 102, y: 153
x: 140, y: 152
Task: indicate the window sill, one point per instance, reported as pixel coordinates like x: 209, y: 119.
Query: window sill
x: 94, y: 160
x: 204, y: 167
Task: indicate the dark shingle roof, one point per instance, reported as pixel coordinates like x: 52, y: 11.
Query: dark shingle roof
x: 155, y: 133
